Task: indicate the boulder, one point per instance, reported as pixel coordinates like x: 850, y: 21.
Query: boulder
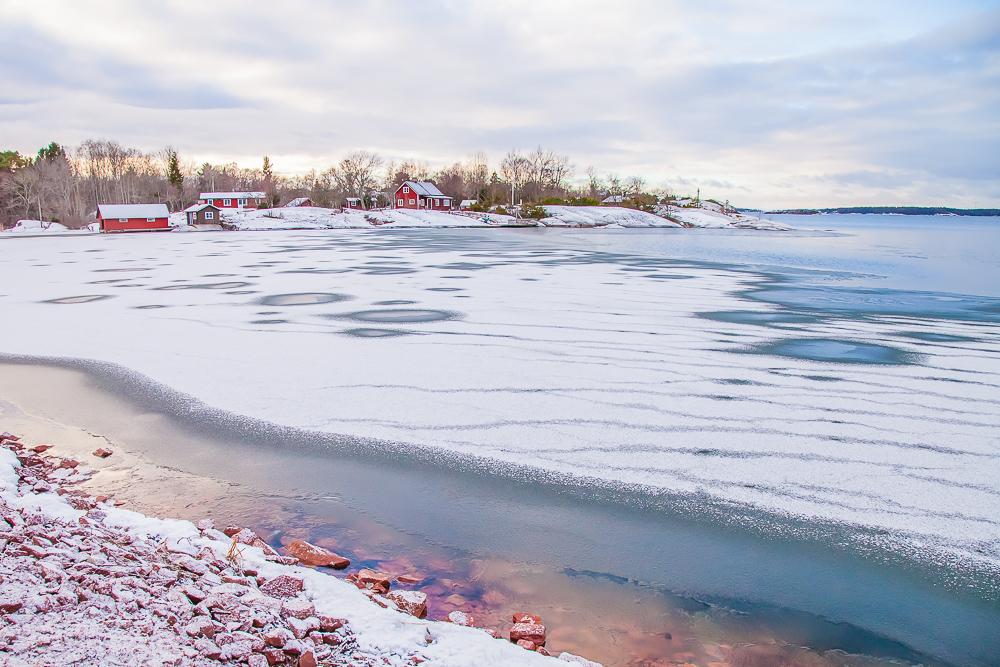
x: 283, y: 586
x: 521, y: 617
x: 38, y: 449
x: 297, y: 608
x: 330, y: 624
x: 102, y: 453
x: 533, y: 632
x: 527, y: 645
x: 372, y: 580
x: 461, y: 618
x: 413, y: 603
x: 312, y: 555
x: 409, y: 579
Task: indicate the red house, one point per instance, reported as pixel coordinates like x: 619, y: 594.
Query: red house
x: 133, y: 217
x: 299, y: 201
x: 421, y: 195
x: 233, y: 199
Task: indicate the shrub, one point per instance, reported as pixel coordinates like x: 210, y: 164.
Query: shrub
x: 501, y: 211
x: 533, y: 212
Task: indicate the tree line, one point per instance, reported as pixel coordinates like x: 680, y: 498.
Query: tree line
x: 63, y: 184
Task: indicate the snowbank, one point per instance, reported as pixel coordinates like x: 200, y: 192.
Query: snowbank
x: 602, y: 216
x: 42, y: 227
x: 710, y: 215
x: 335, y: 218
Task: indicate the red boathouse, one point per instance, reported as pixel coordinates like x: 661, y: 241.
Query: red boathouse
x: 421, y: 195
x: 133, y: 217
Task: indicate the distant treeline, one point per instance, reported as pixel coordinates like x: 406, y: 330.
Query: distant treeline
x: 895, y: 210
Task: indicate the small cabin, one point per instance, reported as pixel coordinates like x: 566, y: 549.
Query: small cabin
x: 233, y: 199
x: 203, y: 214
x: 353, y: 203
x: 421, y: 195
x: 133, y: 217
x: 299, y: 201
x: 466, y: 204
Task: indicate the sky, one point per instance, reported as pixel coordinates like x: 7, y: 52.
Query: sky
x: 769, y: 104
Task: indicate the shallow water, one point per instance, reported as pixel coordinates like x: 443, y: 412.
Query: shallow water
x: 617, y: 355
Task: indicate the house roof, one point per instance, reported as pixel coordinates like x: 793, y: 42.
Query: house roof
x: 469, y: 202
x: 425, y: 189
x: 196, y: 208
x: 298, y: 201
x: 613, y: 199
x: 132, y: 211
x: 231, y: 195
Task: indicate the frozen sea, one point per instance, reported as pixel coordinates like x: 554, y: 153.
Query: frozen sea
x: 844, y: 377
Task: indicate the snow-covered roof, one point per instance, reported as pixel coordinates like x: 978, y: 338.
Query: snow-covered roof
x: 195, y: 208
x: 425, y: 189
x: 231, y: 195
x: 107, y: 211
x: 613, y: 199
x: 298, y: 201
x: 468, y: 202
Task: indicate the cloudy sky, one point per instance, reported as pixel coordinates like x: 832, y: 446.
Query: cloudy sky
x: 779, y: 103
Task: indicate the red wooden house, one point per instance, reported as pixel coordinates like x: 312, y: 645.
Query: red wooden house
x: 421, y: 195
x: 299, y: 201
x: 133, y: 217
x: 233, y: 199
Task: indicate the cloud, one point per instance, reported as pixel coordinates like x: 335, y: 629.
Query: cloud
x: 801, y: 103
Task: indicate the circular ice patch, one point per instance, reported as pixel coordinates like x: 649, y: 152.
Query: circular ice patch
x: 376, y: 333
x: 302, y: 299
x: 230, y: 285
x: 401, y: 315
x: 839, y: 351
x: 84, y: 298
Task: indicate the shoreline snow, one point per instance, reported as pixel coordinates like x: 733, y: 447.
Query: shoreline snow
x: 85, y: 582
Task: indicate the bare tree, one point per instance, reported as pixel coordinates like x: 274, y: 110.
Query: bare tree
x: 357, y: 173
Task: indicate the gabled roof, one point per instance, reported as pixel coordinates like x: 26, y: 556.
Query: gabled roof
x: 196, y: 208
x: 425, y: 189
x: 108, y: 211
x: 231, y: 195
x: 298, y: 201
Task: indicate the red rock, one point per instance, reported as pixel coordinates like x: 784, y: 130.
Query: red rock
x: 231, y: 530
x: 533, y: 632
x: 200, y: 626
x: 297, y: 608
x: 100, y: 452
x: 521, y: 617
x: 315, y: 556
x: 330, y: 624
x: 9, y: 436
x: 413, y: 603
x: 308, y: 659
x: 38, y: 449
x: 525, y: 644
x: 68, y: 463
x: 409, y: 579
x: 543, y: 651
x: 284, y: 586
x: 10, y: 607
x: 274, y: 656
x: 492, y: 633
x: 302, y: 627
x: 277, y: 637
x: 209, y: 649
x: 257, y: 660
x: 372, y: 580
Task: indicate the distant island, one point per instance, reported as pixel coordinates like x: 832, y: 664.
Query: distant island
x: 892, y: 210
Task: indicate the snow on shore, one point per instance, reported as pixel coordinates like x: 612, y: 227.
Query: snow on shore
x: 83, y: 582
x: 30, y: 227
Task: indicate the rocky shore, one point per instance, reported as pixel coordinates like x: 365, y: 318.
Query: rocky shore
x: 84, y: 582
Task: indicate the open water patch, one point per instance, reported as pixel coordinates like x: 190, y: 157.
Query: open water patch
x: 833, y: 350
x: 763, y: 318
x: 219, y: 286
x: 400, y: 315
x: 933, y: 337
x: 83, y: 298
x: 303, y: 299
x: 371, y: 332
x: 394, y: 302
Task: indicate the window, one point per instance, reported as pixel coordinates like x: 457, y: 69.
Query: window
x: 227, y: 202
x: 399, y: 202
x: 412, y: 201
x: 210, y: 215
x: 122, y: 219
x: 406, y: 190
x: 242, y: 202
x: 150, y: 219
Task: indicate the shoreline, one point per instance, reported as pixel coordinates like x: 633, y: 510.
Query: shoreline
x: 193, y: 598
x: 374, y: 557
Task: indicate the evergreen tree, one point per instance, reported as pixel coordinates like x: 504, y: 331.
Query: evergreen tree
x: 174, y: 175
x: 51, y: 152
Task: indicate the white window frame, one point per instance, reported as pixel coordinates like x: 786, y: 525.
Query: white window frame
x: 412, y: 200
x: 122, y: 219
x: 210, y: 215
x: 241, y: 202
x: 227, y: 202
x: 399, y: 202
x: 150, y: 219
x: 406, y: 190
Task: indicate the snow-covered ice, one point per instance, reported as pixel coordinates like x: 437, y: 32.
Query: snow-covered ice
x: 566, y: 361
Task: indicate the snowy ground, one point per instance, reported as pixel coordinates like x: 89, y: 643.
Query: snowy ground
x: 28, y: 227
x: 566, y: 361
x: 558, y: 216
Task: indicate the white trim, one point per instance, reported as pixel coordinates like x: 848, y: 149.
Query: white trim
x: 122, y: 219
x: 210, y: 215
x: 227, y: 202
